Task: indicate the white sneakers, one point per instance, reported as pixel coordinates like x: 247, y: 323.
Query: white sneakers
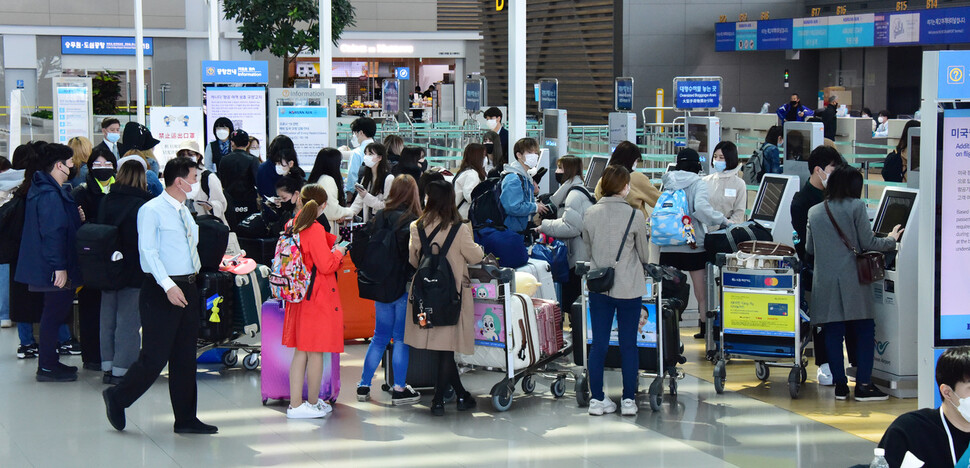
x: 628, y: 407
x: 601, y: 407
x: 824, y: 376
x: 308, y: 411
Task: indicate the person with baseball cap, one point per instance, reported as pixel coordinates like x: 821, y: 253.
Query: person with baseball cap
x: 237, y: 171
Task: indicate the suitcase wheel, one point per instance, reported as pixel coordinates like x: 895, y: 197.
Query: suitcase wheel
x: 251, y: 361
x: 558, y: 387
x: 528, y: 384
x: 230, y: 358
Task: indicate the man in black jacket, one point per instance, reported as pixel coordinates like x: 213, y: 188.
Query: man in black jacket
x: 828, y: 116
x: 237, y: 172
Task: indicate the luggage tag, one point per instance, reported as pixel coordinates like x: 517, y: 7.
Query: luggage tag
x: 212, y: 304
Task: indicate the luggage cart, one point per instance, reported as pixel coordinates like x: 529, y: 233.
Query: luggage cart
x: 760, y: 317
x: 501, y: 294
x: 658, y: 357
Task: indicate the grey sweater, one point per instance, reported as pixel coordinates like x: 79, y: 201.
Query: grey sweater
x: 603, y: 227
x: 569, y: 226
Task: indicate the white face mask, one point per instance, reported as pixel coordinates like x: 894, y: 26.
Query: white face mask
x: 281, y: 170
x: 825, y: 179
x: 196, y: 188
x: 882, y: 120
x: 254, y: 151
x: 354, y: 141
x: 964, y: 408
x: 370, y: 160
x: 625, y: 192
x: 222, y: 133
x: 531, y: 159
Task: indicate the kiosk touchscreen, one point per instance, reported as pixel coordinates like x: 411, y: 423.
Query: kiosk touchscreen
x: 912, y: 160
x: 703, y: 134
x: 555, y: 139
x: 800, y: 139
x: 772, y: 206
x: 595, y: 171
x: 895, y: 297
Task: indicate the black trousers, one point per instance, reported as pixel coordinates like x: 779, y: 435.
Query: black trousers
x: 446, y: 376
x: 169, y: 335
x: 89, y: 326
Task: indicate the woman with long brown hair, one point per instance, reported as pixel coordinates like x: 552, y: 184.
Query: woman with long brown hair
x: 470, y: 173
x: 439, y: 219
x: 316, y: 325
x: 402, y: 209
x: 375, y: 184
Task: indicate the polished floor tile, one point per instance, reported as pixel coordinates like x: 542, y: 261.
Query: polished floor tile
x: 64, y: 425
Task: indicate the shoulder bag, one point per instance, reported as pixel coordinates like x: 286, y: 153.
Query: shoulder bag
x: 870, y: 266
x: 600, y: 280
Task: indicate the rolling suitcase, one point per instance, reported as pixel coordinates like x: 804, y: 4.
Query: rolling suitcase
x: 274, y: 376
x: 260, y: 250
x: 216, y: 296
x: 543, y: 273
x: 420, y: 368
x: 549, y: 320
x: 251, y: 291
x: 359, y: 314
x: 490, y: 334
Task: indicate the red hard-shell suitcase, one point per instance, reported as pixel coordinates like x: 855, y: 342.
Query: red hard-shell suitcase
x: 359, y: 314
x: 275, y: 366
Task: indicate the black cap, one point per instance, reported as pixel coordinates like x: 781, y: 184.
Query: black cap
x: 687, y: 155
x: 239, y: 138
x: 137, y: 137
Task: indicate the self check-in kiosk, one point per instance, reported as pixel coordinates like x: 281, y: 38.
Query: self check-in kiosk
x: 703, y: 134
x: 772, y: 206
x: 622, y: 127
x: 895, y: 297
x: 555, y: 139
x: 800, y: 139
x: 912, y: 158
x: 595, y: 171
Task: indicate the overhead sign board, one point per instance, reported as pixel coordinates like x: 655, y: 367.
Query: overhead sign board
x: 235, y: 71
x: 104, y: 45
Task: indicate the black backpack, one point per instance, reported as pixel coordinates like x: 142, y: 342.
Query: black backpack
x: 213, y: 240
x: 96, y: 245
x: 434, y: 299
x: 381, y: 274
x: 11, y: 229
x: 486, y: 209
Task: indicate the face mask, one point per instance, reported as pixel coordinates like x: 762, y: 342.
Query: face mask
x: 489, y: 148
x: 825, y: 181
x: 194, y: 189
x: 354, y: 141
x: 625, y: 192
x: 254, y: 151
x: 793, y: 104
x: 720, y: 166
x: 281, y: 170
x: 112, y: 137
x: 369, y: 161
x: 531, y: 159
x: 559, y: 177
x: 882, y: 120
x: 424, y: 165
x: 71, y: 172
x: 103, y: 175
x: 222, y: 133
x: 964, y: 407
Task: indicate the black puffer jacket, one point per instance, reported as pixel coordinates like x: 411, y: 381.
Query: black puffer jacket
x: 88, y: 196
x: 120, y: 208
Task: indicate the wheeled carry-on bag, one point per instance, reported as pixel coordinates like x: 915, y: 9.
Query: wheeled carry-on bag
x: 549, y: 320
x: 420, y: 368
x: 490, y: 334
x: 250, y: 290
x: 275, y: 373
x: 260, y: 250
x: 543, y: 273
x: 359, y: 314
x: 217, y: 299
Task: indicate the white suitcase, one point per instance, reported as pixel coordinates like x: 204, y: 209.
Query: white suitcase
x: 491, y: 321
x: 543, y: 273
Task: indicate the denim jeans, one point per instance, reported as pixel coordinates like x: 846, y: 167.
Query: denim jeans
x: 865, y: 333
x: 602, y: 309
x: 5, y: 291
x: 389, y: 324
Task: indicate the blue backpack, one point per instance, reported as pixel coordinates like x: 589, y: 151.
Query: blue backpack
x: 666, y: 223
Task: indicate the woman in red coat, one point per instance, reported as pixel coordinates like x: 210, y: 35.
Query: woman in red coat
x: 316, y: 325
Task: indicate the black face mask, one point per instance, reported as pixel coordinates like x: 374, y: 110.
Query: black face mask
x: 559, y: 177
x: 103, y: 175
x: 71, y: 172
x: 288, y: 206
x: 489, y: 148
x: 424, y: 165
x: 793, y: 104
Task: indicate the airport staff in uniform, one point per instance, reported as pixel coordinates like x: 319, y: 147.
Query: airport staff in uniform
x: 794, y: 111
x: 169, y: 304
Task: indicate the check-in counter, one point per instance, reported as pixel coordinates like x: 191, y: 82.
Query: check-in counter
x: 749, y: 126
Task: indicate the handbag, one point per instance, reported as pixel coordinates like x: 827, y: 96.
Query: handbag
x: 870, y: 266
x: 600, y: 280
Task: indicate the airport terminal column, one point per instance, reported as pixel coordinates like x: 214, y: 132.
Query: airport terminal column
x: 140, y: 62
x: 213, y: 29
x: 517, y: 58
x: 326, y: 43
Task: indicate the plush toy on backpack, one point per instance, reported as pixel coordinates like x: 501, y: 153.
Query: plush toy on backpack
x: 687, y: 230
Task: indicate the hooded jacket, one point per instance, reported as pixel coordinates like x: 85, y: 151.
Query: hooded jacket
x: 698, y: 205
x: 51, y: 221
x: 518, y: 197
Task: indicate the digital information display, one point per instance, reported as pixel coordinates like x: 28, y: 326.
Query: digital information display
x: 953, y: 243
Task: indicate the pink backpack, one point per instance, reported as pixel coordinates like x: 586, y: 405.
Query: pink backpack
x: 289, y: 279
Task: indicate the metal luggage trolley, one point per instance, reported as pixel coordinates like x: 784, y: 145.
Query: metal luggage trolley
x: 656, y: 359
x: 500, y: 295
x: 759, y: 317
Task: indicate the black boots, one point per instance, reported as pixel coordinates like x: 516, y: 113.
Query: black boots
x: 703, y: 333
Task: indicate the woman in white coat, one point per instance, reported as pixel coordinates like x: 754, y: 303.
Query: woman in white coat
x: 726, y: 191
x: 375, y: 185
x: 470, y: 173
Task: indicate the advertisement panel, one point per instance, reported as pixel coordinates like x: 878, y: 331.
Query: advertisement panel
x: 759, y: 313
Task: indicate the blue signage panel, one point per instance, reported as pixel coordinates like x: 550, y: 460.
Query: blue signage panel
x: 697, y: 95
x: 746, y: 35
x: 98, y: 45
x: 953, y: 82
x: 624, y: 94
x: 402, y: 73
x: 775, y: 34
x: 724, y: 34
x: 548, y: 94
x: 851, y: 31
x: 944, y: 26
x: 473, y: 96
x: 235, y: 71
x: 810, y: 33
